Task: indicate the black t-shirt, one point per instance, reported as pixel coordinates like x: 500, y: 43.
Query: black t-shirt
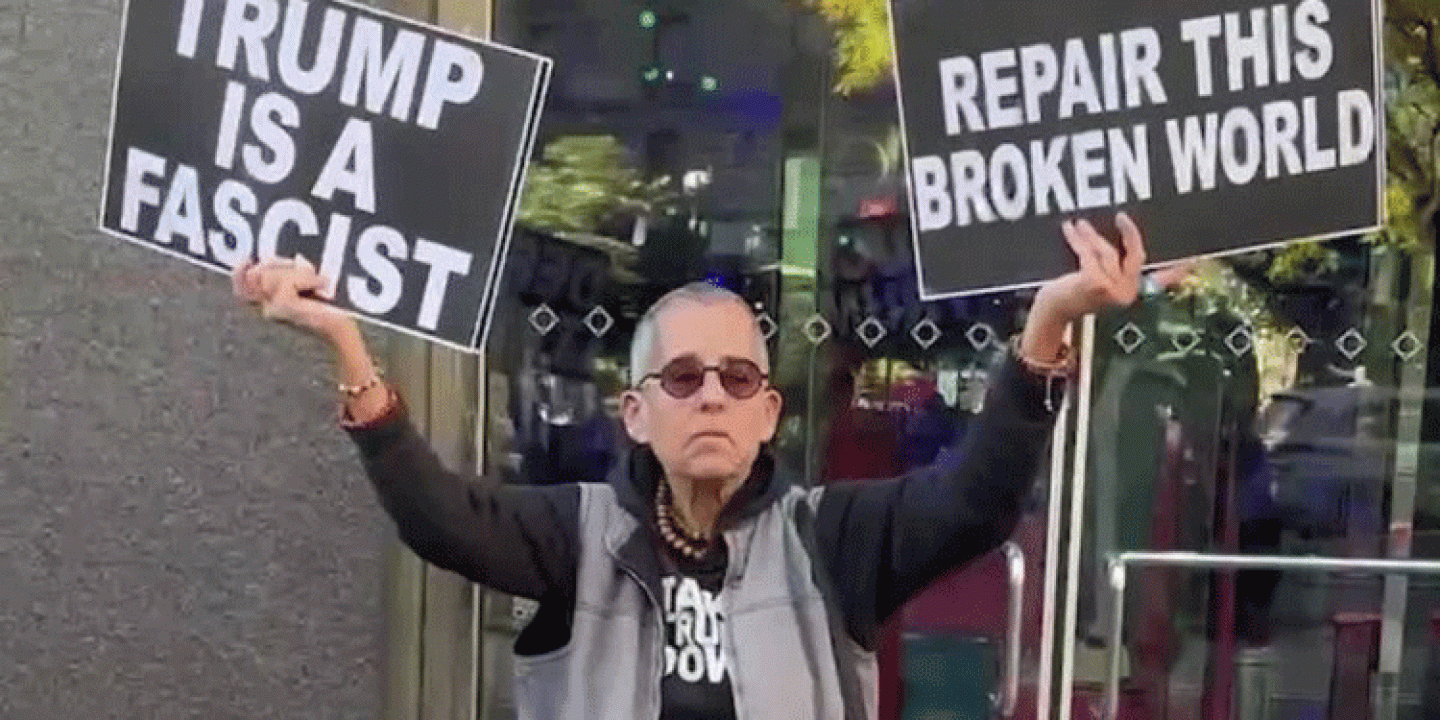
x: 696, y: 680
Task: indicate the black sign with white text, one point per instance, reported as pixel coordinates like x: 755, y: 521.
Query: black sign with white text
x: 387, y: 152
x: 1219, y: 125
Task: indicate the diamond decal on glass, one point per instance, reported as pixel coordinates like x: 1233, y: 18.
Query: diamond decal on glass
x: 1297, y: 339
x: 1240, y: 340
x: 1406, y: 346
x: 980, y: 335
x: 1185, y: 340
x: 768, y: 328
x: 599, y: 321
x: 925, y: 333
x: 816, y: 329
x: 1129, y: 337
x: 543, y: 320
x: 521, y: 612
x: 871, y: 331
x: 1350, y: 344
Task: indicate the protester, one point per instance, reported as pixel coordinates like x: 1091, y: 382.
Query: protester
x: 702, y: 580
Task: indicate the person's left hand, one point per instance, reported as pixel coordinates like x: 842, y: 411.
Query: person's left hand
x: 1104, y: 280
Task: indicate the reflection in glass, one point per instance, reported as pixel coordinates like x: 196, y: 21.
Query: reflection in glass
x: 1266, y: 404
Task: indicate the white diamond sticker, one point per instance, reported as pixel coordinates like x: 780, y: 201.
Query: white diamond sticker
x: 1406, y: 346
x: 871, y: 331
x: 1297, y: 339
x: 1350, y: 344
x: 925, y: 333
x: 767, y: 326
x: 1240, y: 340
x: 543, y: 320
x: 980, y: 335
x: 1129, y: 337
x: 1185, y: 340
x: 599, y: 321
x: 817, y: 329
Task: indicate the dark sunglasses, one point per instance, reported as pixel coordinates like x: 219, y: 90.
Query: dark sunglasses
x: 683, y: 377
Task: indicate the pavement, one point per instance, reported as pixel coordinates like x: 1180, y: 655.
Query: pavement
x: 184, y: 532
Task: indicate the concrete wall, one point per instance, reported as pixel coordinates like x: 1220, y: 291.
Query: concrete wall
x: 184, y: 533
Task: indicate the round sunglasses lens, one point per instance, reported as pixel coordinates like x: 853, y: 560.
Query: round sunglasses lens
x: 681, y: 379
x: 740, y: 379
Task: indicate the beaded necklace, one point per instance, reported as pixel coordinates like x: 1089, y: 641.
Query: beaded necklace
x: 691, y: 547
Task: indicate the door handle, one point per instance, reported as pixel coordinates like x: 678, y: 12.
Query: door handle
x: 1009, y: 694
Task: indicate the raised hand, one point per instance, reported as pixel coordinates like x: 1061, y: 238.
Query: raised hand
x: 286, y: 290
x: 1105, y: 280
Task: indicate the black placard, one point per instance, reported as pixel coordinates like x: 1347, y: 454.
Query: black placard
x: 388, y: 152
x: 1220, y: 126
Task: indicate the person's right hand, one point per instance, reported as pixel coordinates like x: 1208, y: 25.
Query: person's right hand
x: 280, y: 288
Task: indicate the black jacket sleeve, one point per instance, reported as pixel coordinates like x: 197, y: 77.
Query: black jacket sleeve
x: 888, y: 539
x: 517, y: 539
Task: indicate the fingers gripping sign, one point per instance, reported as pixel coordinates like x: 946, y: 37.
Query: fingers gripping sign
x: 1134, y: 245
x: 1105, y: 278
x: 289, y: 290
x: 1119, y: 279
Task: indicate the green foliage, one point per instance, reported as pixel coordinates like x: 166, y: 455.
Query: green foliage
x: 1302, y: 260
x: 581, y: 181
x: 1412, y: 121
x: 1215, y: 284
x: 863, y: 52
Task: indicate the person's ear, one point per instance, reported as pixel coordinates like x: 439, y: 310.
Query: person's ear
x: 773, y: 405
x: 636, y: 416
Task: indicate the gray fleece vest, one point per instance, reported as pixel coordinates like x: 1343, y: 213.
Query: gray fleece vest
x: 787, y: 654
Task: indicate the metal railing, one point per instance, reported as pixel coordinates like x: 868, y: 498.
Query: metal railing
x: 1120, y: 563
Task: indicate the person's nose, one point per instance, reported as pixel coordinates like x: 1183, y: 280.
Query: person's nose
x: 712, y: 392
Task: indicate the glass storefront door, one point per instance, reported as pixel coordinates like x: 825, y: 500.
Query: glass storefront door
x: 1247, y: 417
x: 686, y: 141
x: 1268, y: 407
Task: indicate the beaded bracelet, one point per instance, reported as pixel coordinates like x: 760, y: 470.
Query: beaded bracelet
x: 1062, y: 365
x: 354, y: 391
x: 1055, y: 372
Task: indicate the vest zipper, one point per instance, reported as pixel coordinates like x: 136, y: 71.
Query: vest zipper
x: 727, y: 602
x: 657, y: 667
